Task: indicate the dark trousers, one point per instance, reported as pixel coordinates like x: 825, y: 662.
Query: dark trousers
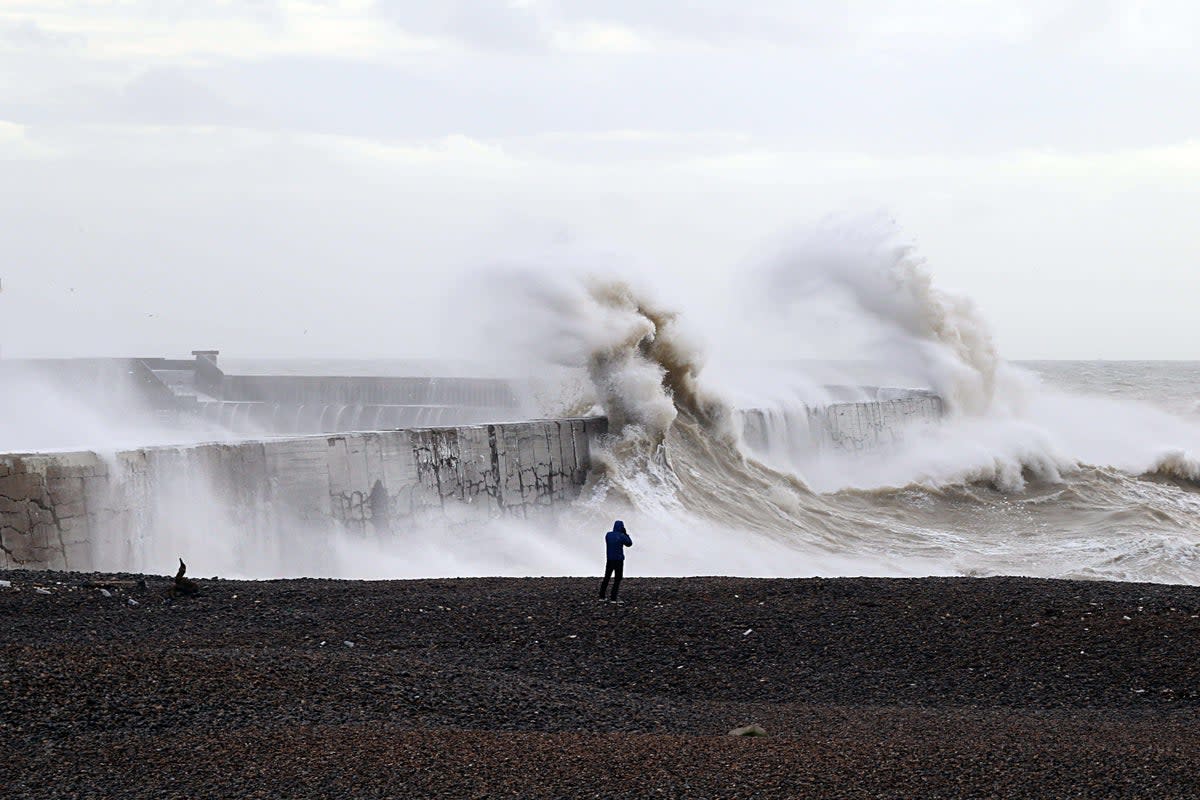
x: 613, y: 569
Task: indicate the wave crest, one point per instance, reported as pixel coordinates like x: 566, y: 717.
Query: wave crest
x: 1176, y: 465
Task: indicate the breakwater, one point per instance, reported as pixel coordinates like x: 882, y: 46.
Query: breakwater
x: 139, y: 509
x: 197, y: 395
x: 273, y: 501
x: 863, y: 425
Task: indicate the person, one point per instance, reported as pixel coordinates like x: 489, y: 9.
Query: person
x: 615, y: 542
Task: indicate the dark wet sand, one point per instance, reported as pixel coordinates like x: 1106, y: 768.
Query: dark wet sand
x: 998, y: 687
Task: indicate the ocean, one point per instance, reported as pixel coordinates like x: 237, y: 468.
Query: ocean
x: 1071, y: 469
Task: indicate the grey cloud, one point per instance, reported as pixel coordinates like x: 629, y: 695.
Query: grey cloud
x: 986, y: 100
x: 266, y: 11
x: 717, y: 21
x: 983, y: 101
x: 1075, y: 19
x: 155, y: 97
x: 170, y: 95
x: 501, y: 25
x: 483, y: 23
x: 29, y: 34
x: 877, y: 27
x: 631, y: 146
x: 984, y: 97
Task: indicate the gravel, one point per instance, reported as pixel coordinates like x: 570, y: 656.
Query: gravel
x: 930, y: 687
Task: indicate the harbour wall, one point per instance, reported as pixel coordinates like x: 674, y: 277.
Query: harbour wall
x: 196, y: 395
x: 289, y: 500
x: 857, y: 426
x: 140, y: 509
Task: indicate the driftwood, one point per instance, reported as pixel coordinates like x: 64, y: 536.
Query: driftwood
x: 182, y: 585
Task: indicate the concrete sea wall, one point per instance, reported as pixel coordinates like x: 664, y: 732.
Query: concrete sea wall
x: 196, y: 394
x: 253, y: 505
x: 857, y: 426
x: 138, y: 509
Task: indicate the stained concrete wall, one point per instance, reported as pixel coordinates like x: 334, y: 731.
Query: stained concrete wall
x: 842, y: 426
x: 137, y: 509
x: 82, y: 511
x: 863, y: 426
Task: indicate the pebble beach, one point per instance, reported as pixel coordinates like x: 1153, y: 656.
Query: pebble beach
x: 927, y: 687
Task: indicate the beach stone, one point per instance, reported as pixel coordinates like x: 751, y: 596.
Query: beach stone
x: 748, y: 730
x: 943, y: 690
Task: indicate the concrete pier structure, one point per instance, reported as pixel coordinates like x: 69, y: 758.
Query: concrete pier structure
x: 138, y: 508
x: 393, y: 457
x: 197, y: 393
x: 866, y: 424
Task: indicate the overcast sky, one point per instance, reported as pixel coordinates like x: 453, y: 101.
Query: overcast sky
x: 289, y: 178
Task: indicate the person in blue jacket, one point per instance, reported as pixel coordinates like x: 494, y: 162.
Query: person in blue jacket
x: 615, y: 542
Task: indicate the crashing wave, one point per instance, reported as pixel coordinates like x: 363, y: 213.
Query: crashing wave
x: 1176, y: 465
x: 1001, y: 485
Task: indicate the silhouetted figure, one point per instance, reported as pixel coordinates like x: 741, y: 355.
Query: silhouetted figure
x: 615, y: 542
x: 183, y: 585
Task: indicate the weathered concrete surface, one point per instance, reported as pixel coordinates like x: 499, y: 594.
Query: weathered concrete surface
x: 81, y: 511
x: 139, y: 509
x: 44, y: 509
x: 841, y: 426
x: 862, y: 426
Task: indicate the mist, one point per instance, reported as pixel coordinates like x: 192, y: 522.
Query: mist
x: 47, y: 407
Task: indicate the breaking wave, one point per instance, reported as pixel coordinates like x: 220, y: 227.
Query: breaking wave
x: 885, y: 292
x: 1176, y: 465
x: 1018, y: 478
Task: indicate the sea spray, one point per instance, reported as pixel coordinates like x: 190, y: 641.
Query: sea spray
x: 879, y: 292
x: 969, y: 494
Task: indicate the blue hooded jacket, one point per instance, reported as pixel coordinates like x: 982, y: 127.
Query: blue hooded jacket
x: 616, y: 540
